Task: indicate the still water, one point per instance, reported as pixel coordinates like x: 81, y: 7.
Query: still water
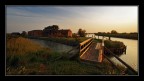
x: 132, y: 54
x: 57, y: 47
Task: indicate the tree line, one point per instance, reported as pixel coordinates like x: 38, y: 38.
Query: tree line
x: 114, y: 33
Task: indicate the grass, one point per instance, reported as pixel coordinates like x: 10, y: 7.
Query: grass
x: 63, y: 67
x: 21, y: 45
x: 63, y: 40
x: 98, y: 40
x: 111, y: 44
x: 24, y: 57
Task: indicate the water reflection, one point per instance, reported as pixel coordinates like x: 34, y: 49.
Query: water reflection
x: 57, y: 47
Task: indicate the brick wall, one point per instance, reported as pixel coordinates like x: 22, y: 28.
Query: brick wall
x: 35, y: 33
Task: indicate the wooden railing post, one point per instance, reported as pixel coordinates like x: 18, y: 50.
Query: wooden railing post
x: 102, y: 48
x: 79, y: 48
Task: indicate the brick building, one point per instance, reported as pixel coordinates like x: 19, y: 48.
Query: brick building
x: 58, y: 33
x: 66, y: 33
x: 36, y: 33
x: 51, y: 33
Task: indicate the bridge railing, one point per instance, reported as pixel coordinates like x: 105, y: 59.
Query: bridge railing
x: 124, y: 63
x: 129, y: 67
x: 83, y: 46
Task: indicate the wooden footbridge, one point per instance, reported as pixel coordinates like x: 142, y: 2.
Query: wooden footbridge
x: 90, y: 51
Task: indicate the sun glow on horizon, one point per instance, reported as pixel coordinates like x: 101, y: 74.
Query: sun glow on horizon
x: 90, y: 18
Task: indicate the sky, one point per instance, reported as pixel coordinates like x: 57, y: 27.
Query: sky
x: 91, y: 18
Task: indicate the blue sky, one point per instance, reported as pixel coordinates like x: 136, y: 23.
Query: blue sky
x: 90, y: 18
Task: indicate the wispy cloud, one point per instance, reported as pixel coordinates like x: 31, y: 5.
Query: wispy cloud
x: 69, y: 16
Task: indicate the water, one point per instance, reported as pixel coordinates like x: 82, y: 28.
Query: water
x: 57, y: 47
x: 131, y: 56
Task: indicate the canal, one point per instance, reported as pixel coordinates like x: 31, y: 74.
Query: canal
x: 131, y: 56
x: 57, y: 47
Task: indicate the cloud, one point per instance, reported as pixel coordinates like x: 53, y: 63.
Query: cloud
x: 69, y: 16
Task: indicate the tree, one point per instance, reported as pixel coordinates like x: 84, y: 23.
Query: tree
x: 23, y: 33
x: 50, y: 30
x: 53, y: 27
x: 108, y: 32
x: 74, y: 35
x: 113, y: 32
x: 81, y: 33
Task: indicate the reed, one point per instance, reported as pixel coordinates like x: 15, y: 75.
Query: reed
x: 21, y: 45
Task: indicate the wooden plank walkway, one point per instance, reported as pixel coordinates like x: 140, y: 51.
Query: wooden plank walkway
x: 94, y: 53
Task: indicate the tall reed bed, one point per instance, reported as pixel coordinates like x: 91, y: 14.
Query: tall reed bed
x: 21, y: 45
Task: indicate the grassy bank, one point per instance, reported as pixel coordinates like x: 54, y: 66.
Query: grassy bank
x: 63, y: 40
x: 116, y: 47
x: 24, y: 57
x: 111, y: 44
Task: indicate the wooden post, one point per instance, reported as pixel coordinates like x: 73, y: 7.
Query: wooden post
x: 102, y: 48
x: 79, y: 52
x: 125, y: 49
x: 109, y: 37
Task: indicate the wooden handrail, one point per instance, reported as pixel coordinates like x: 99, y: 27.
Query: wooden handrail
x: 82, y: 43
x: 85, y: 46
x: 122, y: 61
x: 87, y: 42
x: 111, y: 62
